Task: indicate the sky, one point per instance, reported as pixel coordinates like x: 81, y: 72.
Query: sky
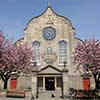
x: 84, y: 15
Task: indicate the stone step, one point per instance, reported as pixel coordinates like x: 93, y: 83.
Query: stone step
x: 19, y: 94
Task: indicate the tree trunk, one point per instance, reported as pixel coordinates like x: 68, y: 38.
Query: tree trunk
x: 97, y: 82
x: 5, y: 79
x: 5, y: 83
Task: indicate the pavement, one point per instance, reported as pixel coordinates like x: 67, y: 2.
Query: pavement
x: 2, y: 94
x: 45, y: 96
x: 42, y: 96
x: 4, y: 98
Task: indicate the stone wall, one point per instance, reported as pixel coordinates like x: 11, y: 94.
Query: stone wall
x: 1, y: 84
x: 24, y: 82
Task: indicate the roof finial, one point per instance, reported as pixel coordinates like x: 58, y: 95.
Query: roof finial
x: 49, y: 4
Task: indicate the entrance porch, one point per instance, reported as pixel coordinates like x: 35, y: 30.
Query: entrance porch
x: 50, y: 80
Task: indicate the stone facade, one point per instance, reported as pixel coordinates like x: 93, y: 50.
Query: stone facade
x: 48, y: 64
x: 64, y: 31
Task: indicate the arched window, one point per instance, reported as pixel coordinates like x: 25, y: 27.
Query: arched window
x: 36, y: 52
x: 49, y: 51
x: 62, y: 51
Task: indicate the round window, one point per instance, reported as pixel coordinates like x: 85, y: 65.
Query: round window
x: 49, y: 33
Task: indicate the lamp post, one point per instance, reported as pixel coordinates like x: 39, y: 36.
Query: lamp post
x: 37, y: 89
x: 65, y: 65
x: 62, y: 83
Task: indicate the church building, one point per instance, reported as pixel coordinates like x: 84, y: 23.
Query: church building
x: 53, y: 40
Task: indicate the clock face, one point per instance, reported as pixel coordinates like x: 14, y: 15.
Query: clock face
x: 49, y: 33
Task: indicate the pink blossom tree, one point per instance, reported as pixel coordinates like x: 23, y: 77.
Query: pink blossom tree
x: 87, y: 54
x: 3, y: 45
x: 13, y: 59
x: 24, y: 57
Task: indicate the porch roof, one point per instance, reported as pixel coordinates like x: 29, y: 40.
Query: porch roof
x: 50, y: 70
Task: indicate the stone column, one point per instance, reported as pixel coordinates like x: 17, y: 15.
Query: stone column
x: 43, y: 83
x: 2, y: 84
x: 55, y: 82
x: 8, y: 85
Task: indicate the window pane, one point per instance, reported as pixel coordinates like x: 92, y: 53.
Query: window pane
x: 62, y: 51
x: 49, y: 50
x: 59, y: 80
x: 63, y: 43
x: 36, y: 50
x: 40, y: 81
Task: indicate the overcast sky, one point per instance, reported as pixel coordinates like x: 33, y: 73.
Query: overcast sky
x: 84, y: 14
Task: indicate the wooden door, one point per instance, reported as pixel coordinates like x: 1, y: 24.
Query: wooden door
x: 13, y: 84
x: 86, y: 84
